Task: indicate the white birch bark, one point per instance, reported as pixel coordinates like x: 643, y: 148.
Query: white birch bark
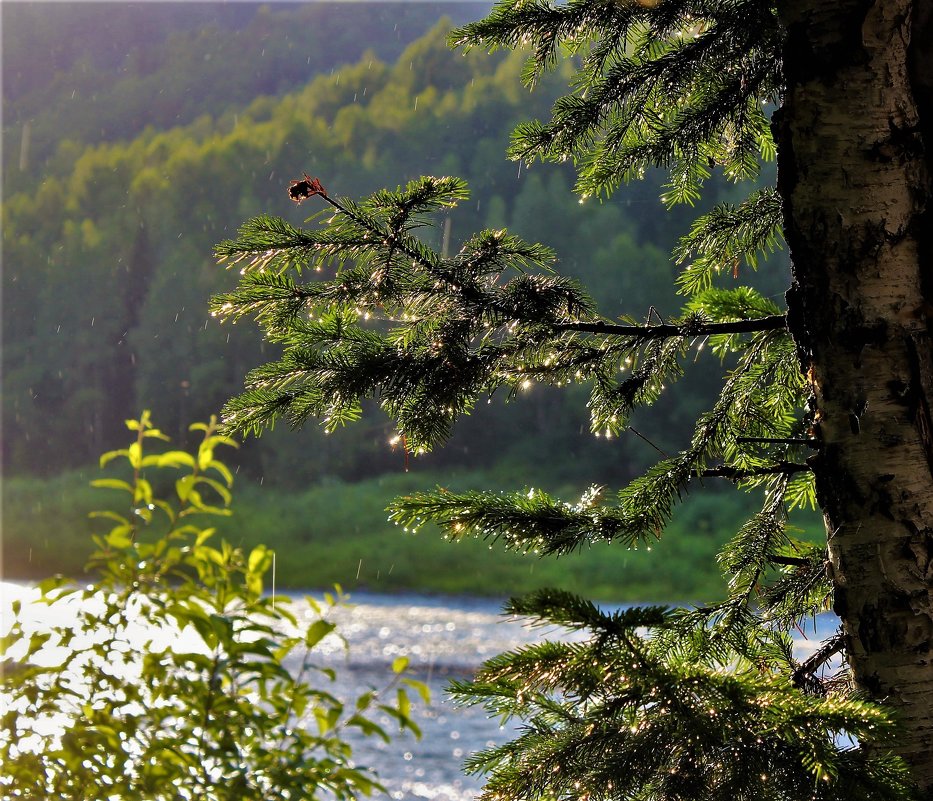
x: 854, y: 172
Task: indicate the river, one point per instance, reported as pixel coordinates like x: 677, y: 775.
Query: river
x: 443, y: 638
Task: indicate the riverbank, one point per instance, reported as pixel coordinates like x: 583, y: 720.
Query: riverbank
x: 338, y: 533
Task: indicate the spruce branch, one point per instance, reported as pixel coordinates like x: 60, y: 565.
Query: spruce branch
x: 551, y: 607
x: 679, y: 87
x: 419, y: 197
x: 393, y: 321
x: 651, y: 366
x: 722, y: 239
x: 667, y: 724
x: 746, y: 557
x: 800, y: 591
x: 531, y: 521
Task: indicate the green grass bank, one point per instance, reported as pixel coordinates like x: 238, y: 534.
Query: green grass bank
x: 338, y: 533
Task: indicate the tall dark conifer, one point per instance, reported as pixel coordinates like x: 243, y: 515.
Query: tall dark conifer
x: 828, y: 399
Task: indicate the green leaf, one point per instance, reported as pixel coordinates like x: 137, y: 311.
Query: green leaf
x: 183, y: 487
x: 368, y: 727
x: 165, y: 507
x: 37, y: 640
x: 143, y: 492
x: 419, y: 687
x: 204, y: 509
x: 175, y: 459
x: 204, y: 535
x: 110, y: 515
x: 205, y: 456
x: 221, y: 468
x: 112, y: 483
x: 120, y: 537
x: 401, y: 715
x: 46, y: 586
x: 403, y: 702
x: 205, y: 629
x: 326, y: 718
x: 219, y: 488
x: 317, y: 631
x: 135, y: 454
x: 109, y: 456
x: 260, y: 558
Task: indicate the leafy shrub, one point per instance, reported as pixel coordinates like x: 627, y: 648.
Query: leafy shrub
x: 172, y: 676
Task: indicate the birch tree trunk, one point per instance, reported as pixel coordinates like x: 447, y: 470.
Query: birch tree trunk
x: 854, y: 161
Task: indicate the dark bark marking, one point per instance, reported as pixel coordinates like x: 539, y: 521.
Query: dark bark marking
x: 920, y: 74
x: 902, y: 145
x: 920, y: 63
x: 873, y: 685
x: 883, y: 502
x: 921, y: 549
x: 893, y: 634
x: 921, y: 365
x: 846, y: 49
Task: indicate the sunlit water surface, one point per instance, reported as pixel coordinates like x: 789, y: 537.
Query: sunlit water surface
x: 443, y: 638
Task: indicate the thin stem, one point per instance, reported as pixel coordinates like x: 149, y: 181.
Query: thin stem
x: 810, y: 443
x: 774, y: 322
x: 394, y: 234
x: 789, y: 561
x: 638, y: 433
x: 738, y: 473
x: 803, y: 676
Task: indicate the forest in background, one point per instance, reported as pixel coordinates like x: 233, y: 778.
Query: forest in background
x: 149, y: 132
